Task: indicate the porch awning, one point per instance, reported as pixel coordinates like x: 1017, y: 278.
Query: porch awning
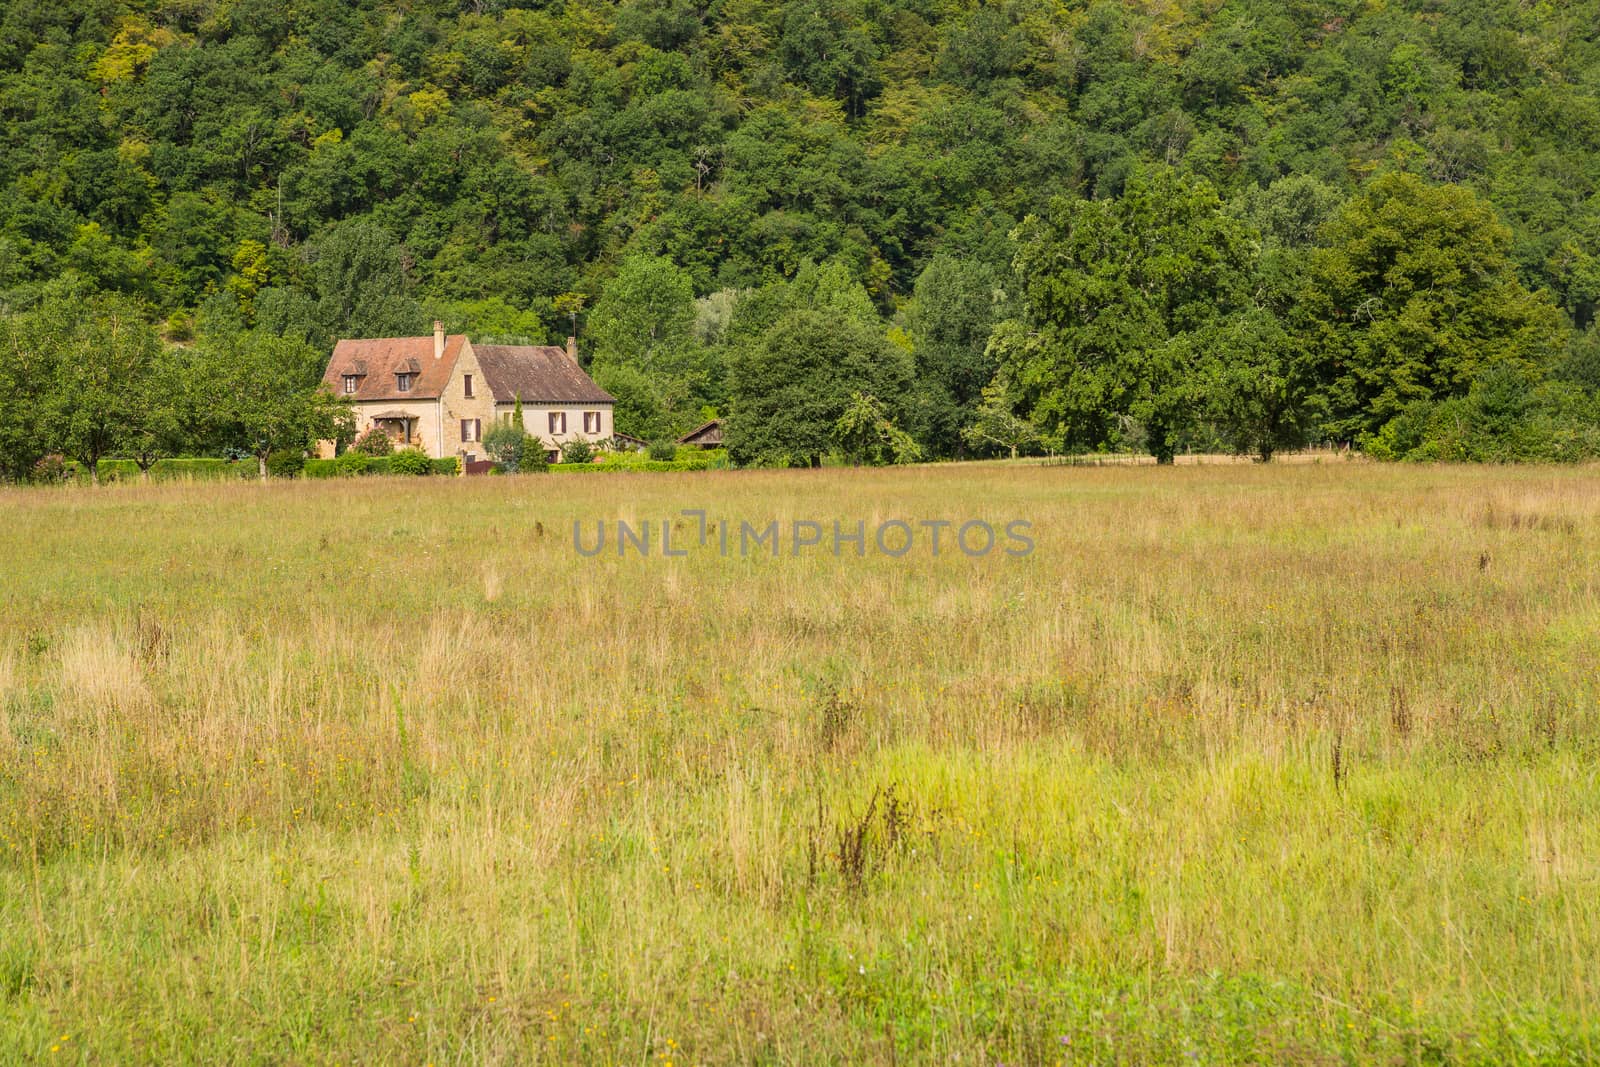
x: 393, y: 415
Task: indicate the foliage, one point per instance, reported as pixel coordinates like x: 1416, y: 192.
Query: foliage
x: 686, y: 460
x: 955, y: 305
x: 268, y: 394
x: 646, y: 351
x: 577, y: 450
x: 866, y: 434
x: 288, y: 464
x: 663, y: 449
x: 1414, y: 296
x: 412, y: 461
x: 1258, y: 384
x: 1413, y: 194
x: 103, y: 355
x: 646, y: 316
x: 373, y: 441
x: 510, y: 444
x: 354, y: 463
x: 1117, y: 295
x: 26, y: 369
x: 1507, y: 416
x: 50, y: 470
x: 535, y: 458
x: 170, y: 409
x: 799, y: 352
x: 996, y: 424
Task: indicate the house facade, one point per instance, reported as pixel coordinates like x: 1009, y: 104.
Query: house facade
x: 560, y: 403
x: 442, y: 394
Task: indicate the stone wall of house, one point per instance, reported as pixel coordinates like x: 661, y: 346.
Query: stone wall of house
x: 459, y: 406
x: 536, y: 420
x: 424, y: 430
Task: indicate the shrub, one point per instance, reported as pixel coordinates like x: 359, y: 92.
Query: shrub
x: 449, y: 465
x: 577, y: 451
x: 664, y: 451
x: 203, y: 468
x: 509, y: 444
x: 286, y: 464
x: 51, y: 470
x: 534, y: 461
x: 1504, y: 418
x: 373, y: 443
x: 353, y: 463
x: 410, y: 461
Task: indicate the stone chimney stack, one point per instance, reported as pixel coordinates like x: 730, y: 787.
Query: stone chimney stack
x: 438, y: 339
x: 572, y: 349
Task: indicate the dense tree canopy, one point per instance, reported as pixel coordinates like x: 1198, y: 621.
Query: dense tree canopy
x: 1241, y: 224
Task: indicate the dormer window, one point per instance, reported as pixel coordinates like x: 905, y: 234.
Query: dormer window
x: 351, y: 381
x: 403, y: 380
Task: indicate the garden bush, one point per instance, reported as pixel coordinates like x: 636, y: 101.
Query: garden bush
x: 51, y: 470
x: 534, y: 460
x: 286, y: 464
x: 577, y: 451
x: 509, y: 445
x: 412, y: 461
x: 352, y: 464
x: 373, y: 443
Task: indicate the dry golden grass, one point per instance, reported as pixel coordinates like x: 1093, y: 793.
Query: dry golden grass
x: 1241, y: 763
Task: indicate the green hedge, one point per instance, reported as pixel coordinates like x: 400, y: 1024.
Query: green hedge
x: 637, y: 461
x: 352, y: 464
x: 167, y: 470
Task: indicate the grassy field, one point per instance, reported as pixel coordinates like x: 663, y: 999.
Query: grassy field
x: 1240, y: 764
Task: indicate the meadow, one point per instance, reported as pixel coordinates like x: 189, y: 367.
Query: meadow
x: 1240, y: 764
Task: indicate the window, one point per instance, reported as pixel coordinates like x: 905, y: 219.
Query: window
x: 591, y: 422
x: 558, y: 422
x: 402, y: 382
x: 471, y: 430
x: 350, y: 381
x: 467, y: 381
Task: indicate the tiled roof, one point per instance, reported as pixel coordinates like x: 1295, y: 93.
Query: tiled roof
x: 377, y: 360
x: 539, y: 374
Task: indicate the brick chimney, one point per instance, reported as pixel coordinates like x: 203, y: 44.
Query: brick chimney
x: 438, y: 339
x: 572, y: 349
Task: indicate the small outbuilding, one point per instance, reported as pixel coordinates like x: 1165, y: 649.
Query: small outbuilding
x: 706, y: 436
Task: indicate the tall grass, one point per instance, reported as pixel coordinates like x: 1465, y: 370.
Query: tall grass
x: 1240, y: 764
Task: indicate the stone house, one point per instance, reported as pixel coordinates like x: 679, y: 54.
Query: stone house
x: 442, y: 393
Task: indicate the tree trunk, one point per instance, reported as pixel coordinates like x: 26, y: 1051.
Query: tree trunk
x: 1013, y: 451
x: 261, y: 464
x: 94, y: 470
